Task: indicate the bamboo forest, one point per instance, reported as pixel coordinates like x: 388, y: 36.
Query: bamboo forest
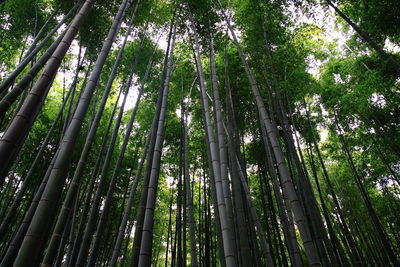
x: 199, y: 133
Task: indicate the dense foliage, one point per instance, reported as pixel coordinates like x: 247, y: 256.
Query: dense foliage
x: 210, y: 133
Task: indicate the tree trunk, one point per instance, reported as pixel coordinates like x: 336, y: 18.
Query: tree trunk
x: 94, y: 211
x: 169, y: 230
x: 223, y: 160
x: 32, y: 51
x: 132, y: 193
x: 43, y: 28
x: 117, y: 169
x: 190, y: 213
x: 36, y: 161
x: 14, y: 136
x: 385, y: 56
x: 355, y: 255
x: 228, y: 252
x: 76, y: 180
x: 310, y: 204
x: 147, y: 235
x: 16, y: 242
x: 253, y: 213
x: 143, y: 198
x: 288, y: 187
x: 93, y: 177
x: 243, y: 242
x: 388, y: 253
x: 336, y: 245
x: 44, y: 215
x: 22, y: 85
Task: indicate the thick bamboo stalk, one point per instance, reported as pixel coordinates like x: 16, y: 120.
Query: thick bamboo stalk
x: 229, y: 252
x: 15, y: 135
x: 86, y: 206
x: 148, y: 223
x: 76, y: 180
x: 44, y: 214
x: 153, y: 131
x: 36, y: 161
x: 271, y: 131
x: 33, y: 50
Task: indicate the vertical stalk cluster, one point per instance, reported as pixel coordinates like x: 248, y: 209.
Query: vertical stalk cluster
x: 184, y: 177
